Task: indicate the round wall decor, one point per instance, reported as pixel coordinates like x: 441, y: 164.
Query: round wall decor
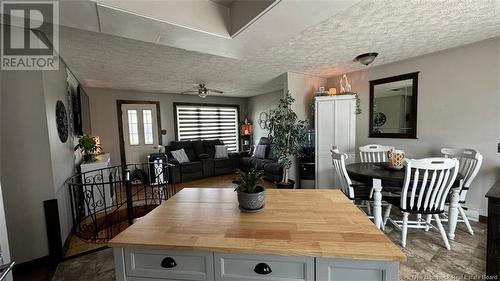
x: 379, y: 119
x: 62, y: 121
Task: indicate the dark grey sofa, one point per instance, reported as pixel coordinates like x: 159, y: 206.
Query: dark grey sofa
x: 273, y: 170
x: 202, y: 162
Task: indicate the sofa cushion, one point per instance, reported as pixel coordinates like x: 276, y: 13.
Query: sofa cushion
x: 260, y: 163
x: 180, y: 155
x: 272, y: 167
x: 191, y: 167
x: 188, y: 148
x: 221, y: 152
x: 260, y: 151
x: 198, y: 147
x: 223, y: 162
x: 210, y: 146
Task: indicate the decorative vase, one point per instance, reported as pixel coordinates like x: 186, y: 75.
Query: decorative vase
x: 396, y: 159
x: 252, y: 202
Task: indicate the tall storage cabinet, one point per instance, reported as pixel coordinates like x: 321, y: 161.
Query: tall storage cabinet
x: 335, y: 124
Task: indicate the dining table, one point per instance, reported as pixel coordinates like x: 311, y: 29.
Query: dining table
x: 379, y: 175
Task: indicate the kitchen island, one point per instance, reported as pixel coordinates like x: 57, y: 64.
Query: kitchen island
x: 200, y: 234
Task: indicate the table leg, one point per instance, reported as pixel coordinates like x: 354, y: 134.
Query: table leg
x: 453, y: 212
x: 377, y: 202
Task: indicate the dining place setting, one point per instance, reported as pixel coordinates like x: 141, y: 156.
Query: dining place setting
x: 429, y: 192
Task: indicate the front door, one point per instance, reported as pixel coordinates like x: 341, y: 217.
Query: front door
x: 140, y: 131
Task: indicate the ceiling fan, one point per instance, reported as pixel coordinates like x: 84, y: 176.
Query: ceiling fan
x: 202, y: 91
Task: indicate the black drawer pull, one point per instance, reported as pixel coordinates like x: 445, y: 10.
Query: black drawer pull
x: 168, y: 263
x: 262, y: 268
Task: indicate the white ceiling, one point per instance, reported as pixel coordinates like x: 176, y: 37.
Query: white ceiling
x: 397, y: 30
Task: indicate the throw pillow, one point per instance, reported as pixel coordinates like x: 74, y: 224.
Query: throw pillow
x: 260, y: 151
x: 180, y: 155
x: 220, y: 151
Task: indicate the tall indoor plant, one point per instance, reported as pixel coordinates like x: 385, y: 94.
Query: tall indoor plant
x: 287, y: 133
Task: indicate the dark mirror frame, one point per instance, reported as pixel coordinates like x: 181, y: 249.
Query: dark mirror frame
x: 412, y: 134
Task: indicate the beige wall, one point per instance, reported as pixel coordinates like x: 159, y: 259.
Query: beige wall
x: 458, y: 106
x: 302, y: 87
x: 104, y: 116
x: 34, y: 162
x: 259, y: 104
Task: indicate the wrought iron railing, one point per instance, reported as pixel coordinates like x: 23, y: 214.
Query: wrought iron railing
x: 106, y: 201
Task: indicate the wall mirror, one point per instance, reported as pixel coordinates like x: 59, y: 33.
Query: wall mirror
x: 393, y: 107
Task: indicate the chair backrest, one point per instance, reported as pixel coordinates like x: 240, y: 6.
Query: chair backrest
x: 427, y: 183
x: 374, y: 153
x: 338, y: 160
x: 470, y: 161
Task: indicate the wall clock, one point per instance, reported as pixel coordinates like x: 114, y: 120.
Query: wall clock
x: 379, y: 119
x: 62, y: 121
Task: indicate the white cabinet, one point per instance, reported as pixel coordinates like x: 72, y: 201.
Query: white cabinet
x: 335, y: 126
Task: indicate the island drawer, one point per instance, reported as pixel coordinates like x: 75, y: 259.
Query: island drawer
x: 241, y: 267
x: 176, y: 265
x: 344, y: 270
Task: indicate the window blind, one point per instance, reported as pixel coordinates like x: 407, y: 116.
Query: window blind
x: 208, y: 122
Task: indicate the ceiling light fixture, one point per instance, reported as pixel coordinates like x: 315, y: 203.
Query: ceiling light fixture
x: 202, y: 92
x: 367, y: 58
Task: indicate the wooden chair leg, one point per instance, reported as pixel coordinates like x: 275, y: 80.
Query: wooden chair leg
x: 404, y: 231
x: 442, y: 231
x: 466, y: 220
x: 387, y: 214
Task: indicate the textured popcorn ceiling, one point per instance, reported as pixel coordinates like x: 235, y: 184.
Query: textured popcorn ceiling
x: 397, y: 30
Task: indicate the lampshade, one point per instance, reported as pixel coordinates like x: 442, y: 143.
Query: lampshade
x: 246, y: 129
x: 367, y: 58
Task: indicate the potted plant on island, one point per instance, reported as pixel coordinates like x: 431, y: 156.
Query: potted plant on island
x: 89, y: 146
x: 251, y: 195
x: 288, y: 136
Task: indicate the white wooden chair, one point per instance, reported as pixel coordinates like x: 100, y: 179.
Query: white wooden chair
x: 470, y: 161
x: 361, y: 193
x: 373, y: 153
x: 425, y: 189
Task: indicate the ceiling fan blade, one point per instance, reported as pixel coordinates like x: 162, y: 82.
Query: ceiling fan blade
x: 189, y: 92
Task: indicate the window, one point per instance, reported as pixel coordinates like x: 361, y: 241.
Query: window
x: 133, y: 130
x: 206, y: 122
x: 147, y: 119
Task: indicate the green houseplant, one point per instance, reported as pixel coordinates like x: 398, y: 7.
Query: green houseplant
x: 287, y: 133
x: 89, y: 146
x: 251, y: 195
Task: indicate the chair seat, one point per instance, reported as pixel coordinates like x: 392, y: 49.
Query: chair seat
x: 396, y: 201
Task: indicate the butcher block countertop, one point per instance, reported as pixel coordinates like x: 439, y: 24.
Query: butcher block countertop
x: 313, y: 223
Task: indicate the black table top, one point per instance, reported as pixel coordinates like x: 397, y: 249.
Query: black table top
x: 494, y: 191
x: 366, y: 172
